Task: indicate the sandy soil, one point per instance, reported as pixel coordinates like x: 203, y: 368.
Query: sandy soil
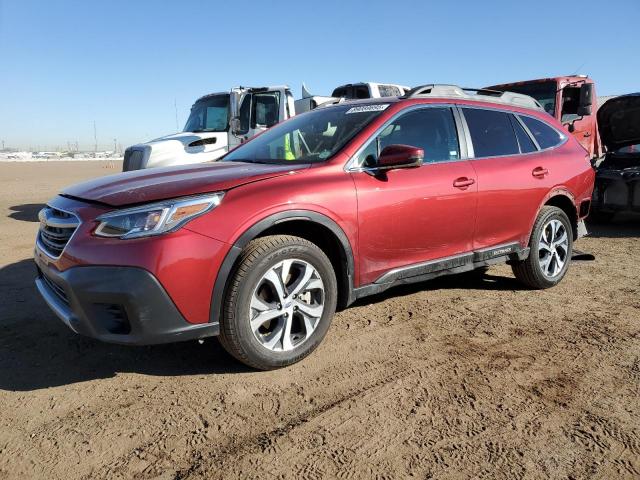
x: 460, y: 377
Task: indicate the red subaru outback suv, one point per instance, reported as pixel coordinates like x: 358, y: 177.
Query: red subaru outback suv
x: 261, y: 247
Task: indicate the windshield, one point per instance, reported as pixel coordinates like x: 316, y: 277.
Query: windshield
x: 543, y: 92
x: 309, y: 137
x: 210, y: 114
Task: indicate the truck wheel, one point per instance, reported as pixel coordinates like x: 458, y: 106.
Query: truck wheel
x: 551, y: 245
x: 279, y: 303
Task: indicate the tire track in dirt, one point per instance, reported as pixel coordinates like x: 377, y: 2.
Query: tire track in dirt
x: 267, y: 442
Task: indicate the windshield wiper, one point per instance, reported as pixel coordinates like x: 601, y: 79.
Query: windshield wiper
x: 246, y: 160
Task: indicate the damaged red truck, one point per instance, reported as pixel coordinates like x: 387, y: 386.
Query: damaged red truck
x: 610, y: 133
x: 571, y: 100
x: 325, y: 208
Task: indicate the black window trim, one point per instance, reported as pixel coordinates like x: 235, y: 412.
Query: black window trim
x: 350, y: 166
x: 471, y: 153
x: 514, y: 119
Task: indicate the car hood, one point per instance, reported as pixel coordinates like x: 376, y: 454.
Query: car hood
x: 619, y: 121
x: 143, y: 186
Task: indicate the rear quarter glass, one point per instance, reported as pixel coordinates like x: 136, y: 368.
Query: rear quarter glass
x: 545, y: 135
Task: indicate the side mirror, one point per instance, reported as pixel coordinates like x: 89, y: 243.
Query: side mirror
x: 586, y: 100
x: 399, y: 156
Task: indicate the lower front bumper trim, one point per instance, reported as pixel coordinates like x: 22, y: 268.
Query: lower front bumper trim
x: 124, y: 305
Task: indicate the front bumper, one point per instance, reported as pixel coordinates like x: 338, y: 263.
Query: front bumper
x: 125, y: 305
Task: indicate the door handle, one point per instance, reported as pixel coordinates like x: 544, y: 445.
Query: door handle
x: 540, y: 172
x: 463, y: 182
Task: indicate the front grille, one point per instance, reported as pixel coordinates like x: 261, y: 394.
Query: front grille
x: 132, y: 159
x: 56, y: 228
x: 56, y: 289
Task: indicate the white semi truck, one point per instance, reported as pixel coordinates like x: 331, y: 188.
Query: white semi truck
x: 220, y: 121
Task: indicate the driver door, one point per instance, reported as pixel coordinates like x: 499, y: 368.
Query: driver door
x: 257, y: 112
x: 413, y: 215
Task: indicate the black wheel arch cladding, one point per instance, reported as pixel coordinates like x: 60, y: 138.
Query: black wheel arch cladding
x: 313, y: 218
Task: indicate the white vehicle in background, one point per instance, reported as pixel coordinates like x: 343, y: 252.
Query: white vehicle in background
x: 354, y: 91
x: 350, y: 91
x: 220, y: 121
x: 217, y: 123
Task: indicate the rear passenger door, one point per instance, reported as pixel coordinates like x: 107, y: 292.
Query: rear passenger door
x: 513, y: 176
x: 414, y: 215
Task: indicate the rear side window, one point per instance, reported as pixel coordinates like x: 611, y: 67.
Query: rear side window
x: 491, y: 133
x: 524, y: 140
x: 546, y: 136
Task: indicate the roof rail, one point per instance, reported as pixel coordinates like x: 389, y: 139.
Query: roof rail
x: 511, y: 98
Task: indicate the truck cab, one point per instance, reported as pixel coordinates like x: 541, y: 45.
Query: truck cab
x: 354, y: 91
x: 571, y: 100
x: 217, y: 123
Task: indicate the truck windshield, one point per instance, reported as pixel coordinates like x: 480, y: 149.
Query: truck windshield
x: 210, y: 114
x: 308, y: 138
x: 543, y: 92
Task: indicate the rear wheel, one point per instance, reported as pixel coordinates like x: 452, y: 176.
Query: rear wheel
x: 551, y: 245
x: 280, y: 302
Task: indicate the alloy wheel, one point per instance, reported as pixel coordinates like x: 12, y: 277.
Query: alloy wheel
x: 287, y: 305
x: 553, y: 248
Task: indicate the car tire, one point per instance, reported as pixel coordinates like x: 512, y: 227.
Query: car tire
x: 271, y: 319
x: 551, y: 246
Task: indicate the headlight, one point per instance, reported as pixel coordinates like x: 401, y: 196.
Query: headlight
x: 155, y: 218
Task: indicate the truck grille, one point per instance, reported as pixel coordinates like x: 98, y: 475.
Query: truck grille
x: 132, y: 159
x: 56, y: 228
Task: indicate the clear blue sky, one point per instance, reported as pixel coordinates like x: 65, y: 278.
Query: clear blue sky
x: 65, y: 64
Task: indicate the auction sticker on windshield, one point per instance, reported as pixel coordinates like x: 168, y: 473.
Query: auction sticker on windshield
x: 367, y: 108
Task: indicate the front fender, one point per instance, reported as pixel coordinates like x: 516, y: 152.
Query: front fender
x: 241, y: 241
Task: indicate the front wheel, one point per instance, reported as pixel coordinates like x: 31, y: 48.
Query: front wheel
x: 280, y: 302
x: 551, y: 246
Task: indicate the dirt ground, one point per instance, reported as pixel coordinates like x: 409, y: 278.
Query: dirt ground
x: 460, y: 377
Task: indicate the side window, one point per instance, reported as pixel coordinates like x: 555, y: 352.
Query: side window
x: 545, y: 135
x: 266, y: 108
x: 432, y: 129
x: 491, y: 133
x: 388, y: 91
x: 361, y: 91
x: 524, y: 140
x: 339, y: 92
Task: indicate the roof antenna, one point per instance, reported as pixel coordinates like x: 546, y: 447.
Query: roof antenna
x: 578, y: 69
